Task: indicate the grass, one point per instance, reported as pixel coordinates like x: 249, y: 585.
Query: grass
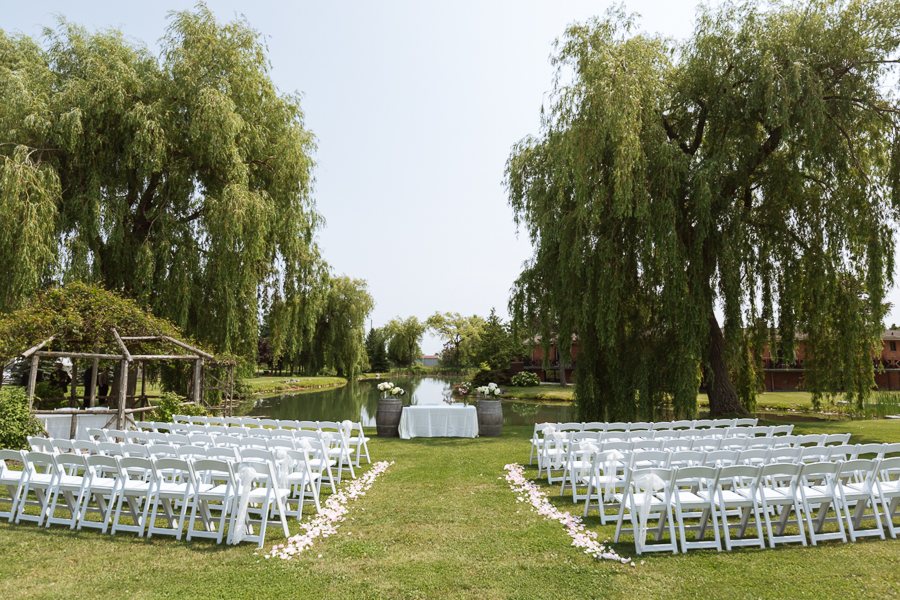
x: 268, y: 384
x: 552, y: 393
x: 440, y: 524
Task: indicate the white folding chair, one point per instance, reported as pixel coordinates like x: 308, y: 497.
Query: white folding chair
x: 109, y: 448
x: 737, y: 444
x: 256, y: 485
x: 754, y: 457
x: 777, y: 494
x: 810, y: 439
x: 40, y: 444
x: 650, y: 459
x: 11, y: 480
x: 640, y: 445
x: 747, y: 422
x: 232, y: 422
x: 693, y: 491
x: 836, y: 439
x: 85, y: 447
x: 553, y: 455
x: 703, y: 424
x: 268, y: 423
x: 736, y: 492
x: 174, y: 485
x: 217, y: 429
x: 360, y: 442
x: 677, y: 445
x: 137, y: 437
x: 648, y: 497
x: 814, y: 454
x: 887, y: 486
x: 706, y: 444
x: 686, y: 458
x: 196, y: 428
x: 582, y: 446
x: 855, y: 483
x: 605, y: 483
x: 178, y: 439
x: 214, y: 492
x: 872, y: 450
x: 228, y: 454
x: 290, y: 424
x: 192, y: 453
x: 779, y: 430
x: 60, y: 446
x: 890, y: 450
x: 199, y: 420
x: 103, y: 487
x: 253, y: 442
x: 721, y: 458
x: 785, y: 455
x: 594, y: 426
x: 303, y: 481
x: 136, y: 491
x: 39, y: 478
x: 280, y: 444
x: 640, y: 426
x: 97, y: 435
x: 817, y: 490
x: 117, y: 435
x: 71, y: 479
x: 202, y: 439
x: 215, y: 421
x: 228, y: 441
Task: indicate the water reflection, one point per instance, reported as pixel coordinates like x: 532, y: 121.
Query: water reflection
x: 358, y: 401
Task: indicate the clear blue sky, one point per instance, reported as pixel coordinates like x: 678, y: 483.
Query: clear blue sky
x: 415, y: 106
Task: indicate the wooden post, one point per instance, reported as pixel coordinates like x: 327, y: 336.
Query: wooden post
x: 197, y: 366
x: 73, y: 395
x: 32, y: 378
x: 143, y: 386
x: 94, y: 368
x: 123, y: 388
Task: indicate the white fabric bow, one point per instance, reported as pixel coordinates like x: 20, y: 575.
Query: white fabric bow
x: 610, y: 470
x: 246, y: 475
x: 284, y: 464
x: 650, y: 484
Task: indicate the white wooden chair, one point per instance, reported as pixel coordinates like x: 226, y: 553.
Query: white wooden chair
x: 693, y: 491
x: 71, y: 480
x: 10, y: 479
x: 103, y: 488
x: 648, y: 497
x: 777, y: 494
x: 39, y: 478
x: 359, y: 442
x: 856, y: 485
x: 215, y: 492
x: 736, y: 493
x: 175, y: 485
x: 256, y: 485
x: 136, y: 491
x: 817, y: 490
x: 887, y: 485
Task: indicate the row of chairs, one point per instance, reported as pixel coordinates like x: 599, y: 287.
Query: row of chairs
x: 352, y: 447
x: 703, y: 498
x: 255, y: 491
x: 652, y: 425
x: 581, y: 468
x: 553, y: 449
x: 255, y: 422
x: 543, y: 430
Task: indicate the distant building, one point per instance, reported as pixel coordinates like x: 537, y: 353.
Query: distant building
x: 430, y: 360
x: 777, y: 375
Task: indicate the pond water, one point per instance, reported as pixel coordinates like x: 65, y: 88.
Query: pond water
x: 358, y: 401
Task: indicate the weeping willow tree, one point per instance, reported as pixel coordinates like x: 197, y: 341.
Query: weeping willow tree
x: 753, y: 167
x: 182, y: 180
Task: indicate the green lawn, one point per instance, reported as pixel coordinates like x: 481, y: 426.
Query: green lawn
x: 262, y: 385
x: 440, y: 524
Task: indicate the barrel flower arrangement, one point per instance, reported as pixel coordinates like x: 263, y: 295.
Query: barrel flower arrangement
x: 490, y: 411
x: 390, y: 407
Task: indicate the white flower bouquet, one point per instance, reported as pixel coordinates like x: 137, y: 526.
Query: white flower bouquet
x: 389, y: 389
x: 489, y: 390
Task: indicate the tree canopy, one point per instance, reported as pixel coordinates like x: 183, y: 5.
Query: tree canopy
x: 752, y: 167
x: 458, y: 332
x: 405, y: 337
x: 183, y: 181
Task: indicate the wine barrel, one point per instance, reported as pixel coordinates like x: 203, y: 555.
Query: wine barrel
x: 387, y: 418
x: 490, y: 418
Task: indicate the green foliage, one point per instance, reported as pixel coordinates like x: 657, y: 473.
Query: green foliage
x: 495, y: 344
x: 485, y: 377
x: 404, y: 337
x: 525, y: 379
x: 378, y: 358
x: 182, y: 180
x: 753, y: 166
x: 459, y: 333
x: 16, y: 421
x: 171, y: 404
x: 84, y: 315
x: 339, y: 340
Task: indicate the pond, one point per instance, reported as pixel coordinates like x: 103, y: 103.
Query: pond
x: 358, y: 401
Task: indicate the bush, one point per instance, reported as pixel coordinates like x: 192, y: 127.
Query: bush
x: 486, y: 376
x: 171, y: 404
x: 525, y: 379
x: 242, y: 389
x: 16, y: 421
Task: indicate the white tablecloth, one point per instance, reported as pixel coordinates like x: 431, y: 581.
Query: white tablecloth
x: 59, y: 426
x: 438, y: 421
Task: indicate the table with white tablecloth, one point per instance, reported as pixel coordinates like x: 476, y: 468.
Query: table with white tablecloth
x: 435, y: 420
x: 60, y: 425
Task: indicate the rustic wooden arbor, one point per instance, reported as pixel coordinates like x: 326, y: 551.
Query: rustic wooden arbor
x: 127, y: 359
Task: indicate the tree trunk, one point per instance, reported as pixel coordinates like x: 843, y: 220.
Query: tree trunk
x: 723, y: 398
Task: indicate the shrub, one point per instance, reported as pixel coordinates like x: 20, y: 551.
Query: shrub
x: 171, y: 404
x: 16, y: 421
x: 525, y: 379
x: 486, y: 376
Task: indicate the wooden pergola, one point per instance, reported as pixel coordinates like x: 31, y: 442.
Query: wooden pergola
x: 126, y: 359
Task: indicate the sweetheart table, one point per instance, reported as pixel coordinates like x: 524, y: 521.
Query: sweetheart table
x: 435, y: 420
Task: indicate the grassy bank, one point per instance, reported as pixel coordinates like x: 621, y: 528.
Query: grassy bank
x: 440, y: 524
x: 269, y: 385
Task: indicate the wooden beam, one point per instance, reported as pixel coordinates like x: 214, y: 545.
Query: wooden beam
x: 197, y: 367
x: 32, y: 378
x: 141, y: 338
x: 165, y: 357
x: 123, y: 390
x: 94, y: 368
x: 189, y: 348
x: 34, y: 349
x: 47, y: 354
x: 121, y: 345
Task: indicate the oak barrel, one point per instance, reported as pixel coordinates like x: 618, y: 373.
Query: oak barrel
x: 490, y: 418
x: 387, y: 418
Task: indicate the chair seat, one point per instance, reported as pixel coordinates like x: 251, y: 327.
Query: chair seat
x: 258, y: 495
x: 174, y: 490
x: 731, y: 497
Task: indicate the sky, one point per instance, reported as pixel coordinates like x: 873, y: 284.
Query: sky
x: 415, y: 107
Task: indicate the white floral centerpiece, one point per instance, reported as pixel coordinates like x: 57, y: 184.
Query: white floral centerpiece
x: 488, y: 391
x: 390, y: 390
